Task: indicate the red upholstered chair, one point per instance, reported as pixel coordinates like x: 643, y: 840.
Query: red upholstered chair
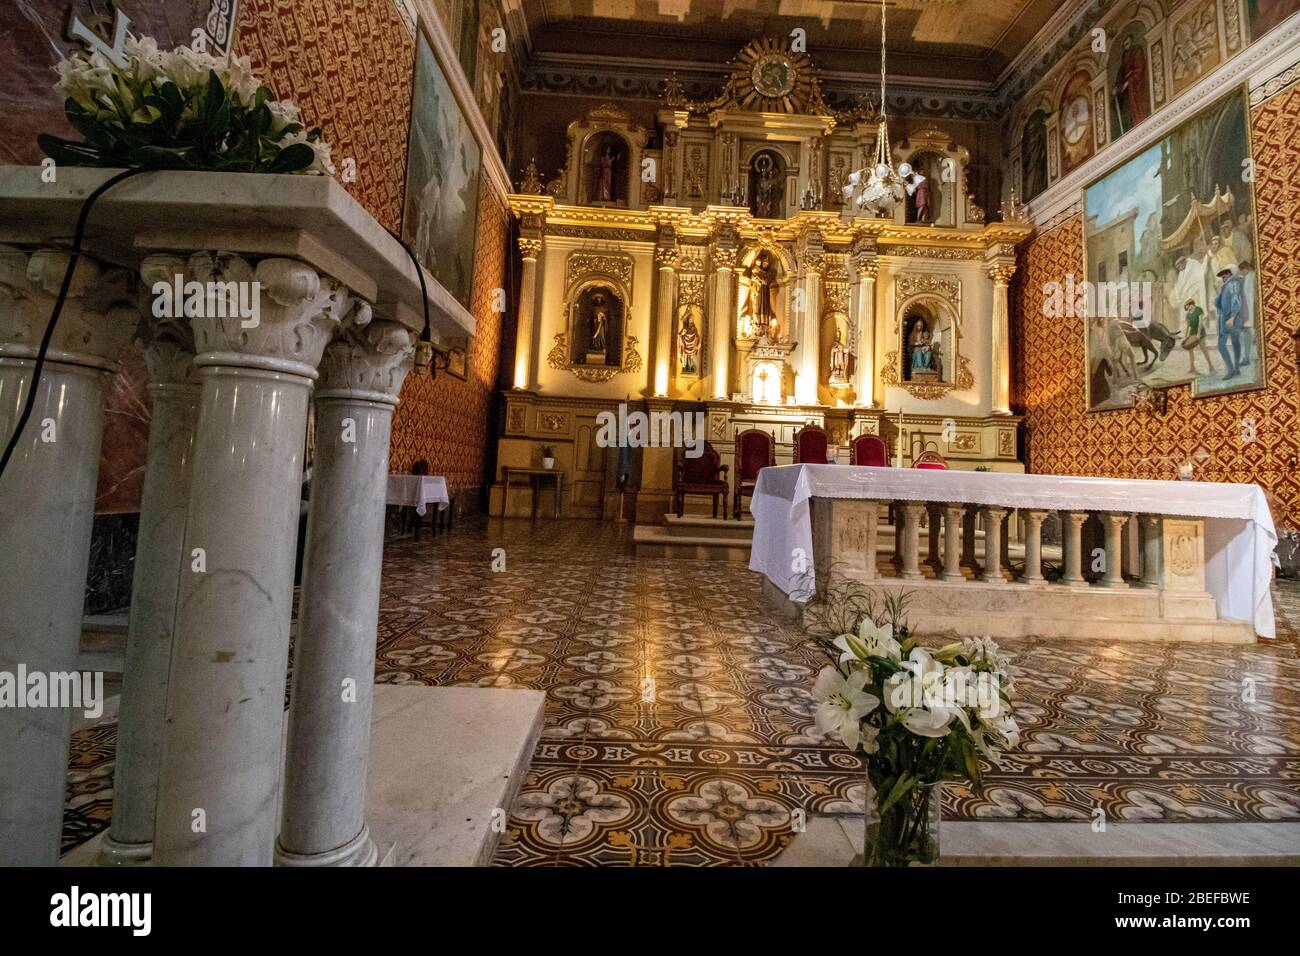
x: 755, y: 450
x: 932, y: 460
x: 705, y: 475
x: 869, y: 450
x: 810, y: 445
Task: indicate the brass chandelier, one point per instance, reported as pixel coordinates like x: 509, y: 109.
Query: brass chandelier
x: 876, y: 190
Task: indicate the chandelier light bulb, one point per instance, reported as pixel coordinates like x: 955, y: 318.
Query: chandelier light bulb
x: 905, y: 169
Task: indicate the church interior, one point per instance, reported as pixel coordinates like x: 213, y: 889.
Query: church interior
x: 585, y: 362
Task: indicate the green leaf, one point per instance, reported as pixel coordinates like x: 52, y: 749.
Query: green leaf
x: 904, y: 784
x: 293, y: 158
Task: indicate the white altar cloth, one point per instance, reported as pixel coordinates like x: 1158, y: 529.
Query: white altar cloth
x: 417, y: 491
x: 1239, y: 532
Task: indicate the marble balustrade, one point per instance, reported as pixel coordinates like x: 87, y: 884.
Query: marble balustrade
x: 955, y: 556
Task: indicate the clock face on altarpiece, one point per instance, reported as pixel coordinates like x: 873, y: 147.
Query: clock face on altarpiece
x: 768, y: 76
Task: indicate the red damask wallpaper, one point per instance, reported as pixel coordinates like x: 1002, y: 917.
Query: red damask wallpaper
x: 1250, y: 436
x: 445, y: 420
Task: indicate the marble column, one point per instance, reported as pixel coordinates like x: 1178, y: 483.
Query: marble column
x: 723, y: 320
x: 952, y: 543
x: 911, y: 512
x: 1033, y: 573
x: 529, y: 249
x: 1151, y: 536
x: 968, y: 539
x: 1113, y: 575
x: 865, y: 372
x: 665, y: 302
x: 934, y: 515
x: 48, y: 501
x: 322, y: 816
x: 993, y: 544
x: 1001, y: 272
x: 221, y: 756
x: 809, y: 332
x: 174, y: 394
x: 1072, y: 547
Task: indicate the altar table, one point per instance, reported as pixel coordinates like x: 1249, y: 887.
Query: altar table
x: 1239, y: 532
x: 418, y: 491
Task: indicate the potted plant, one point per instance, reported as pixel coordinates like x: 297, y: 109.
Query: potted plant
x: 919, y: 716
x: 548, y: 457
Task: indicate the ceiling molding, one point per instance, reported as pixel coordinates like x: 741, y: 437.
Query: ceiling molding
x: 1262, y: 61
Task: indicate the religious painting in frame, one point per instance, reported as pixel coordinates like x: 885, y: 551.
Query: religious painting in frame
x: 440, y: 215
x: 1172, y: 294
x: 1264, y: 15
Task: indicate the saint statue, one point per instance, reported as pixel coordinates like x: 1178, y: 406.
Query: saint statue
x: 839, y: 359
x: 599, y: 324
x: 765, y: 187
x: 922, y: 355
x: 918, y: 187
x: 688, y: 344
x: 605, y: 175
x: 762, y: 275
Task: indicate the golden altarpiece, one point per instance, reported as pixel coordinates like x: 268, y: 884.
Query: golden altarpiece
x: 709, y: 266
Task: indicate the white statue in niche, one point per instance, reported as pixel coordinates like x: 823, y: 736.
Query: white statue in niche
x: 599, y: 324
x: 840, y: 357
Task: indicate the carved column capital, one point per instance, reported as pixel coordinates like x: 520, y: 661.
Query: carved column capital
x: 666, y: 257
x: 99, y: 318
x: 368, y: 361
x: 168, y: 339
x: 1001, y: 272
x: 530, y: 248
x: 298, y: 310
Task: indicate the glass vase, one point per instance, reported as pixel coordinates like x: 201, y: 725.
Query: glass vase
x: 907, y: 834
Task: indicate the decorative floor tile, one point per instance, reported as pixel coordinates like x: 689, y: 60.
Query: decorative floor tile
x: 679, y: 731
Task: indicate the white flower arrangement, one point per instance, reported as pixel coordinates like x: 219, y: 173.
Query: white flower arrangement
x: 920, y: 716
x: 180, y: 108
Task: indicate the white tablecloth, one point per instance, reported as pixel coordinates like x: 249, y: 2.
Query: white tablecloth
x: 1239, y: 533
x: 416, y: 491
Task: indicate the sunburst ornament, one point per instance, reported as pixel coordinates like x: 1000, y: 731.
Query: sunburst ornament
x: 878, y: 188
x: 769, y: 77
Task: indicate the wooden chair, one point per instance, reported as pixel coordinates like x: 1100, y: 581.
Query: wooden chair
x: 810, y: 445
x: 705, y: 475
x: 931, y: 460
x: 755, y: 450
x: 868, y: 450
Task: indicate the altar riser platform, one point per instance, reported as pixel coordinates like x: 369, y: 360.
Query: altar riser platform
x: 695, y: 537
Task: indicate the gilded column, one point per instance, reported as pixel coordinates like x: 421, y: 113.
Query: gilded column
x: 174, y: 392
x: 48, y: 503
x: 809, y: 334
x: 868, y: 269
x: 723, y: 319
x: 1001, y: 271
x: 221, y: 754
x: 529, y: 249
x: 665, y: 301
x: 322, y: 816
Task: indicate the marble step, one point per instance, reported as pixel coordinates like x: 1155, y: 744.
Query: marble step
x: 695, y: 526
x: 656, y: 541
x: 837, y: 841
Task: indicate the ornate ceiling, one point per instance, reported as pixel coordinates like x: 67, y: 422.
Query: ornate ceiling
x: 945, y: 39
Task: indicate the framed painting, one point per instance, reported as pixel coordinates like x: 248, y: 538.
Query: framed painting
x: 1173, y: 295
x: 440, y: 215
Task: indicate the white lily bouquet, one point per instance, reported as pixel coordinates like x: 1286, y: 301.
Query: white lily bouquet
x: 920, y: 716
x: 179, y: 109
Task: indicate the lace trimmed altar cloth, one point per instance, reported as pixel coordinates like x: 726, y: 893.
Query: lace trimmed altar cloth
x: 1239, y: 532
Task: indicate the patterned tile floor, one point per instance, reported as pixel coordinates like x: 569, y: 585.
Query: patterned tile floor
x: 679, y: 725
